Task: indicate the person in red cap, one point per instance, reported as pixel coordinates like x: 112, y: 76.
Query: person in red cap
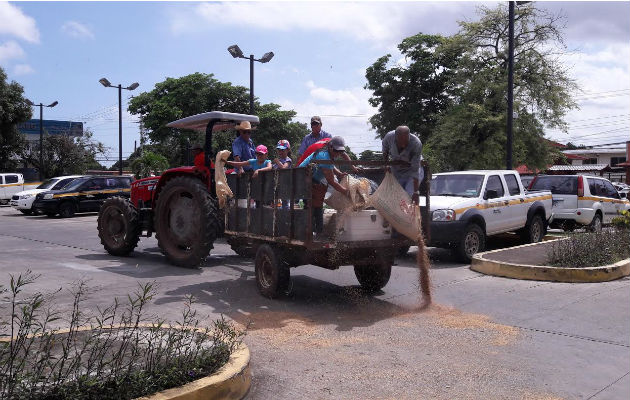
x: 260, y: 163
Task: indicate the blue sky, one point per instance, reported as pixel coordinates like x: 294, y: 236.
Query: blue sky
x: 59, y: 51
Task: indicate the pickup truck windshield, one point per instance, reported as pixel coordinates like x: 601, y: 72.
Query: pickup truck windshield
x: 461, y: 185
x: 47, y: 184
x: 557, y: 184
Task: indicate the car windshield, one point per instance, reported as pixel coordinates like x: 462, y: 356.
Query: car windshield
x: 557, y: 184
x: 461, y: 185
x: 48, y: 183
x: 75, y: 184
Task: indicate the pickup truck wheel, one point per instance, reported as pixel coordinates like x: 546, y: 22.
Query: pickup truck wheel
x: 272, y: 275
x: 373, y: 277
x: 118, y: 226
x: 67, y: 210
x: 473, y: 241
x: 402, y: 251
x: 27, y: 212
x: 50, y: 214
x: 596, y: 224
x: 534, y: 231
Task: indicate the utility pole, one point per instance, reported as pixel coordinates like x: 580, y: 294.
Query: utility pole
x: 510, y: 99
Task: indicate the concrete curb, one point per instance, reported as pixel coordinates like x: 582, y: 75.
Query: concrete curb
x: 231, y: 382
x: 548, y: 273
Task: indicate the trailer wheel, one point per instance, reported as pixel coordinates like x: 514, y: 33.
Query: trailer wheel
x: 186, y: 221
x: 272, y: 274
x: 373, y: 277
x: 473, y: 241
x: 118, y: 226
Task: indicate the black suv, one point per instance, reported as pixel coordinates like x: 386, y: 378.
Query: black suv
x: 84, y: 194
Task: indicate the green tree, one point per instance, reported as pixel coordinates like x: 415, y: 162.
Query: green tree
x: 148, y: 163
x: 469, y: 131
x: 369, y: 155
x: 65, y: 155
x: 196, y: 93
x: 14, y: 109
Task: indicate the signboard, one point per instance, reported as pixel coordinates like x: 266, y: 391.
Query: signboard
x: 51, y: 127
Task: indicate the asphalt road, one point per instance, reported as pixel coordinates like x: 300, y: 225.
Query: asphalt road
x: 484, y: 338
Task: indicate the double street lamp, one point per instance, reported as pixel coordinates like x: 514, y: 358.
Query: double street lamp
x: 41, y: 132
x: 133, y: 86
x: 236, y: 52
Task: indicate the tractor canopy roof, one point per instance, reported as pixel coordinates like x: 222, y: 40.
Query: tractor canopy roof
x: 225, y: 121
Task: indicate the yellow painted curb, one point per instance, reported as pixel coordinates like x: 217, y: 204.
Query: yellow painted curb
x: 548, y: 273
x: 231, y: 382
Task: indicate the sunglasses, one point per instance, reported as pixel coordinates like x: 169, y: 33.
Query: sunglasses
x: 314, y: 123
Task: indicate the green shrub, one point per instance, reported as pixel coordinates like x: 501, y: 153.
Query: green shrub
x: 125, y: 353
x: 582, y: 250
x: 622, y: 222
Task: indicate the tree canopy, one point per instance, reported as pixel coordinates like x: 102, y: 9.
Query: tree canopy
x: 196, y: 93
x: 452, y: 91
x: 14, y: 109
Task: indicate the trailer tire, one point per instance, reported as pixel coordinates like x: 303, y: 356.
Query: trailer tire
x: 118, y: 226
x: 473, y: 241
x: 272, y: 275
x: 373, y: 277
x: 186, y: 221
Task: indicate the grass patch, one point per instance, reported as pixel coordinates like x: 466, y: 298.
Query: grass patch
x: 118, y: 357
x: 595, y: 249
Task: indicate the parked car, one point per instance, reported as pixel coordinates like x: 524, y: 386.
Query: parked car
x: 581, y: 200
x: 82, y: 195
x: 23, y: 201
x: 622, y: 188
x: 468, y: 206
x: 9, y: 185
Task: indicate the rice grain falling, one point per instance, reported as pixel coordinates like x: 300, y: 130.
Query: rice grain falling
x: 423, y: 273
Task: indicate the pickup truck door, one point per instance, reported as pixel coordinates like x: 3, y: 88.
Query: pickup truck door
x: 517, y: 211
x: 495, y: 210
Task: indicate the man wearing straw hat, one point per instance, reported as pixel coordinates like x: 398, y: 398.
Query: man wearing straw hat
x: 243, y: 147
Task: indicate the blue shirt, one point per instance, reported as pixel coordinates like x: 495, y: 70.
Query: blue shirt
x: 310, y: 139
x: 283, y: 161
x: 318, y: 170
x: 244, y: 150
x: 254, y: 164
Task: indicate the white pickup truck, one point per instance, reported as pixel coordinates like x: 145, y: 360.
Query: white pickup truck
x: 468, y: 206
x: 9, y: 185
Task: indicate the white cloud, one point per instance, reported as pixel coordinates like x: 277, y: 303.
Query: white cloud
x: 379, y: 23
x: 23, y: 69
x: 13, y: 22
x: 10, y: 50
x: 345, y: 112
x: 77, y: 30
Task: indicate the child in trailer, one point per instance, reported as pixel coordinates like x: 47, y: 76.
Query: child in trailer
x: 260, y: 163
x: 283, y: 161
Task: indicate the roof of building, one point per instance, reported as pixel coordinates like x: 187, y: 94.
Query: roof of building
x: 596, y: 151
x: 576, y: 168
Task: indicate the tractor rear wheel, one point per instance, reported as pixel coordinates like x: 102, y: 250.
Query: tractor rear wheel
x: 186, y: 221
x: 118, y: 226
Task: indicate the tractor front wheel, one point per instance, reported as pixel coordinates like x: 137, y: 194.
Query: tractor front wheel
x: 186, y: 221
x: 118, y: 226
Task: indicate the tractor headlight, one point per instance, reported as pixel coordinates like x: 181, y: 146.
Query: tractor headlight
x: 443, y: 215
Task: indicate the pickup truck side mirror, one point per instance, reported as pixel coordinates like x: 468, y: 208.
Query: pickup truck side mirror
x: 490, y: 194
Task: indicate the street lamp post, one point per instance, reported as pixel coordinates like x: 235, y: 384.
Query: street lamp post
x: 41, y: 132
x: 133, y: 86
x: 236, y: 52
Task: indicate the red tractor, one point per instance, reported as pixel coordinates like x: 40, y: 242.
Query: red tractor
x: 180, y: 206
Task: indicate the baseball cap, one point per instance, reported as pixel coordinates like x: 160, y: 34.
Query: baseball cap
x: 316, y: 119
x: 283, y: 144
x: 261, y: 148
x: 338, y: 143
